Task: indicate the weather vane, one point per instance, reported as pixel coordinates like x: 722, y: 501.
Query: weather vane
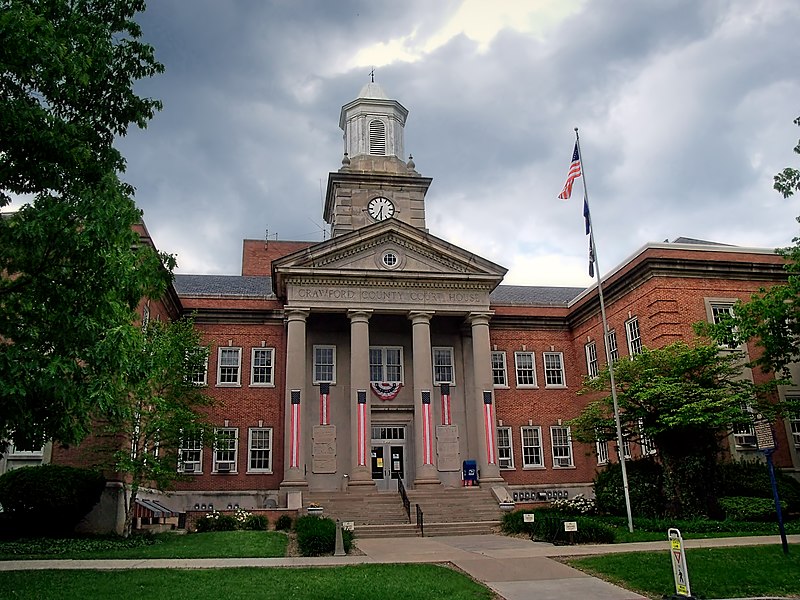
x: 372, y: 75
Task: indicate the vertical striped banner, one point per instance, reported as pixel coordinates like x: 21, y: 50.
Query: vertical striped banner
x: 324, y: 403
x: 446, y: 417
x: 488, y: 425
x: 427, y: 442
x: 294, y: 451
x: 362, y: 428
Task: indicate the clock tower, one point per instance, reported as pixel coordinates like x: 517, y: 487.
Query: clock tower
x: 374, y: 183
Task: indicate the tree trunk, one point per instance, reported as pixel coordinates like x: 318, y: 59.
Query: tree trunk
x: 130, y: 505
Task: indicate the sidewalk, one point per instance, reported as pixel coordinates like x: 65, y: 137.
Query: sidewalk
x: 517, y: 569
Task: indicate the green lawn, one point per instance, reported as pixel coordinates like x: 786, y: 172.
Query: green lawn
x: 713, y: 572
x: 220, y: 544
x: 362, y: 582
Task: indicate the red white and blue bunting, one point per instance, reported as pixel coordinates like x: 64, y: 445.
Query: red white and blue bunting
x: 386, y: 390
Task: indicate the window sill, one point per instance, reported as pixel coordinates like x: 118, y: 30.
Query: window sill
x: 535, y: 468
x: 564, y: 468
x: 229, y: 385
x: 190, y: 472
x: 527, y: 387
x: 501, y: 387
x: 508, y: 468
x: 257, y: 472
x: 224, y: 472
x: 555, y: 387
x: 318, y: 382
x: 262, y: 385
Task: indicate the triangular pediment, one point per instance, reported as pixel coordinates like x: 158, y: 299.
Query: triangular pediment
x: 390, y: 251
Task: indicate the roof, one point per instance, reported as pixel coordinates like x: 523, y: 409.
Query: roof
x: 688, y: 240
x: 373, y: 90
x: 246, y: 286
x: 533, y: 294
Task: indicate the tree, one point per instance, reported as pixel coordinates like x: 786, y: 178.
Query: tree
x: 71, y: 267
x: 681, y: 399
x: 787, y: 182
x: 158, y: 404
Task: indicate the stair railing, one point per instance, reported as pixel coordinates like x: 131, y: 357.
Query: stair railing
x: 420, y: 521
x: 406, y: 503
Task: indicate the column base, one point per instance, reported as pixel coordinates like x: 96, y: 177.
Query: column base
x: 293, y: 479
x: 426, y: 483
x: 490, y: 480
x: 360, y: 476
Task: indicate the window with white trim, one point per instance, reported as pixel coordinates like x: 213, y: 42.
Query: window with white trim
x: 592, y: 368
x: 226, y: 445
x: 259, y: 450
x: 443, y: 371
x: 505, y: 451
x: 634, y: 336
x: 720, y: 311
x: 324, y: 364
x: 613, y: 352
x: 645, y: 441
x: 601, y: 448
x: 532, y: 447
x: 561, y: 444
x: 525, y: 367
x: 386, y: 364
x: 200, y: 376
x: 499, y: 376
x: 262, y: 367
x: 229, y: 366
x: 554, y: 369
x: 26, y: 453
x: 190, y: 455
x: 626, y: 446
x: 794, y: 423
x: 744, y: 434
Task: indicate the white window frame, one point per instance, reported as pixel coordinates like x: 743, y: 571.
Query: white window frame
x: 226, y: 449
x: 626, y: 447
x: 505, y: 448
x: 384, y: 364
x: 645, y: 441
x: 634, y: 336
x: 197, y: 380
x: 613, y: 349
x: 794, y: 426
x: 531, y: 450
x: 191, y: 445
x: 601, y: 449
x: 717, y: 306
x: 564, y: 457
x: 592, y: 366
x: 251, y: 450
x: 267, y: 369
x: 440, y: 369
x: 14, y: 453
x: 238, y: 367
x: 554, y: 371
x: 318, y: 364
x: 528, y: 372
x: 744, y: 436
x: 499, y: 370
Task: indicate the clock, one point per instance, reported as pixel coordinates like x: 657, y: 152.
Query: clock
x: 380, y: 208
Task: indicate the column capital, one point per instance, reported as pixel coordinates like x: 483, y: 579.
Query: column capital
x: 480, y: 318
x: 420, y: 316
x: 297, y: 314
x: 359, y: 315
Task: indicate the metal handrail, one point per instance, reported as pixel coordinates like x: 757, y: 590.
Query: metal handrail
x: 406, y: 502
x: 420, y: 521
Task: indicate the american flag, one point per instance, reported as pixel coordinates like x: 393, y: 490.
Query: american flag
x: 574, y: 173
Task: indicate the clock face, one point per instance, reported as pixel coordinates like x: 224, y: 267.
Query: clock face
x: 380, y: 208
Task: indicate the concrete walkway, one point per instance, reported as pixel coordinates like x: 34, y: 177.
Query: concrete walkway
x: 517, y: 569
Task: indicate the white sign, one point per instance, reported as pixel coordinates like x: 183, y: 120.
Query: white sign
x: 528, y: 517
x: 348, y: 525
x: 570, y: 526
x: 679, y: 570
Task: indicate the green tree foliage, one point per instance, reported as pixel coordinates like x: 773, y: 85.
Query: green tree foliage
x: 157, y: 404
x: 683, y: 399
x: 787, y: 182
x: 71, y: 268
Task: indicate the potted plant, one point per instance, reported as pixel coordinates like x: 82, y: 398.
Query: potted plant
x: 314, y: 509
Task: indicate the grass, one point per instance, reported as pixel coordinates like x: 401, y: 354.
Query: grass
x: 361, y: 582
x: 219, y: 544
x: 713, y: 572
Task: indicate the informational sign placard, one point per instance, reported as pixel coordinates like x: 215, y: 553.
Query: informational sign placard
x: 764, y: 436
x: 679, y: 570
x: 348, y: 525
x: 528, y: 517
x: 570, y: 526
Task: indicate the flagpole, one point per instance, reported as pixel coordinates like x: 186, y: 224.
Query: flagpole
x: 593, y: 256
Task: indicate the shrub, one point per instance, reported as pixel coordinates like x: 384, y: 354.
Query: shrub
x: 49, y: 499
x: 646, y: 487
x: 284, y: 523
x: 743, y: 508
x: 550, y: 528
x: 257, y: 523
x: 216, y: 521
x: 577, y: 505
x: 317, y: 536
x: 751, y: 478
x: 514, y: 522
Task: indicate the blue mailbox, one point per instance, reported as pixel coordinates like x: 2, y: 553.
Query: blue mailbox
x: 470, y: 473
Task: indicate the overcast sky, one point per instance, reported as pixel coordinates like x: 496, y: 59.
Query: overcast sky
x: 685, y: 112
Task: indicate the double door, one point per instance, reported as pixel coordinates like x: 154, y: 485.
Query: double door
x: 388, y: 457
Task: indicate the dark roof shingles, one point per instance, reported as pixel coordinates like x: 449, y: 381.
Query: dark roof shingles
x: 247, y: 286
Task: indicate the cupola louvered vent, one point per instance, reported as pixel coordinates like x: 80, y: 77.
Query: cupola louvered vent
x: 377, y: 138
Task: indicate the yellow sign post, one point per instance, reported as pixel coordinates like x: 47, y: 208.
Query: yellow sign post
x: 679, y: 570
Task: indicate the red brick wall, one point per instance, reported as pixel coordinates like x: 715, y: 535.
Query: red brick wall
x: 257, y: 255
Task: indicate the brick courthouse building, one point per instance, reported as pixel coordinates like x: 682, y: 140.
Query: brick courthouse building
x: 386, y: 353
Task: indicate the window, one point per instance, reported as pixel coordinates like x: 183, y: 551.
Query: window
x: 553, y: 369
x: 795, y: 424
x: 390, y: 259
x: 613, y: 352
x: 262, y: 366
x: 601, y: 447
x: 200, y: 376
x: 720, y: 311
x: 230, y: 366
x: 259, y: 450
x: 25, y: 452
x: 386, y: 364
x: 744, y: 434
x: 377, y: 137
x: 634, y: 337
x: 324, y: 364
x: 526, y: 369
x: 225, y: 447
x: 499, y: 377
x: 626, y: 446
x: 645, y: 441
x: 591, y: 360
x: 145, y: 316
x: 443, y: 366
x: 532, y: 447
x: 562, y: 446
x: 190, y: 455
x: 505, y: 453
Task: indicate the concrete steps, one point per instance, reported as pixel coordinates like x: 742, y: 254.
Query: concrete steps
x: 361, y: 507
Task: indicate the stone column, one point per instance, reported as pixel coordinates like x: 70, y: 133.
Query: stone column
x: 361, y: 470
x: 426, y: 473
x: 483, y: 398
x: 294, y: 466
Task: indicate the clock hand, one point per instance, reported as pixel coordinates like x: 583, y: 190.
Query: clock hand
x: 380, y: 213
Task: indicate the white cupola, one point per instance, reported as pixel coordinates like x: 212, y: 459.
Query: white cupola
x: 373, y: 124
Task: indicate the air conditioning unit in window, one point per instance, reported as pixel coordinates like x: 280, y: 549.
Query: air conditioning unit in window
x: 224, y: 467
x: 563, y: 462
x: 745, y: 440
x: 189, y: 468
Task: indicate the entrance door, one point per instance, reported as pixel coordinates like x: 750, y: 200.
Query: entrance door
x: 388, y: 457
